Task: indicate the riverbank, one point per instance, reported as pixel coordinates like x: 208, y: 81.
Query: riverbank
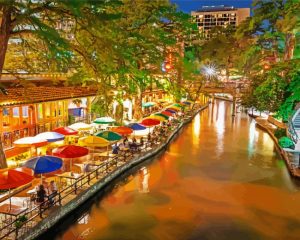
x: 54, y: 217
x: 268, y: 127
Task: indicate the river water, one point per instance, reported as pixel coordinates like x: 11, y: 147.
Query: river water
x: 221, y: 178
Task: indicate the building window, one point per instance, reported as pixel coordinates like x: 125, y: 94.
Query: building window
x: 40, y: 111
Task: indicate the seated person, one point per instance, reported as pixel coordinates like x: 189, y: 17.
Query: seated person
x: 133, y: 140
x: 41, y: 194
x: 115, y: 149
x: 149, y: 137
x: 52, y: 191
x: 141, y: 141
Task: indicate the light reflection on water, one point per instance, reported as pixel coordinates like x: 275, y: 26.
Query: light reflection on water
x: 220, y: 179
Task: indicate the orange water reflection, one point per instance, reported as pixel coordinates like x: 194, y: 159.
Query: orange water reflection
x: 221, y: 179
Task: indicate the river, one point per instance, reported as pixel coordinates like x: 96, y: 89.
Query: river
x: 221, y: 178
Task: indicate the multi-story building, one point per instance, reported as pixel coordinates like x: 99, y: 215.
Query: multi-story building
x: 209, y: 17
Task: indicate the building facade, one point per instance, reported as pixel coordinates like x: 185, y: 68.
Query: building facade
x: 27, y: 111
x: 209, y: 17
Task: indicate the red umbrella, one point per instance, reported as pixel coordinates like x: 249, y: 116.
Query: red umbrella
x: 26, y: 170
x: 122, y: 130
x: 65, y: 131
x: 12, y: 178
x: 70, y: 151
x: 149, y: 122
x: 173, y: 109
x: 169, y: 114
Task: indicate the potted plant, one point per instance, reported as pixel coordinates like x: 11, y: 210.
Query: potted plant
x: 20, y: 221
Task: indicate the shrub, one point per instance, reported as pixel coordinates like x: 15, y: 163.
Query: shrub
x: 286, y: 142
x: 280, y: 132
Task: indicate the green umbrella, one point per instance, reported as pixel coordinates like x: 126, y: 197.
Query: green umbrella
x: 148, y: 104
x: 104, y: 120
x: 177, y: 105
x: 109, y: 135
x: 162, y: 115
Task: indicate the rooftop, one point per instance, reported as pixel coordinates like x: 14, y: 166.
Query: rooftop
x: 36, y: 94
x: 217, y: 8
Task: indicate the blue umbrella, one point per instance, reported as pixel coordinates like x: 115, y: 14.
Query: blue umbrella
x: 170, y: 110
x: 44, y: 164
x: 51, y: 136
x: 136, y: 126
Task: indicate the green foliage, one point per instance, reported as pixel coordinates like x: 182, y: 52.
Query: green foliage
x: 286, y: 142
x: 280, y: 132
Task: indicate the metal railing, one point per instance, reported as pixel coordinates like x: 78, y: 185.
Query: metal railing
x: 293, y: 132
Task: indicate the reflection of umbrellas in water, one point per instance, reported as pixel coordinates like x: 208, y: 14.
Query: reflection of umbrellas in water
x: 70, y: 151
x: 12, y: 178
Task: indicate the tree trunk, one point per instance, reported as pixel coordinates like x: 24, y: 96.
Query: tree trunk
x: 289, y: 46
x: 138, y: 114
x: 5, y: 29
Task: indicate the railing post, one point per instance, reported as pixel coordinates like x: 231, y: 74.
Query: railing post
x: 59, y: 198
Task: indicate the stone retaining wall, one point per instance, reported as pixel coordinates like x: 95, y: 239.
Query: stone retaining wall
x: 71, y: 206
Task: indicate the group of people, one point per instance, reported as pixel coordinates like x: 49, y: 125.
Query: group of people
x: 132, y: 145
x: 45, y: 190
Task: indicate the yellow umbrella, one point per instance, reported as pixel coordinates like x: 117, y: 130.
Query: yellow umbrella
x: 93, y: 141
x: 160, y: 118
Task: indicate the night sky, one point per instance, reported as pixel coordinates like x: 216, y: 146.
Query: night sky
x: 189, y: 5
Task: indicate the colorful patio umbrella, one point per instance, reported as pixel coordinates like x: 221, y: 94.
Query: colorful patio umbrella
x: 94, y: 141
x: 166, y: 117
x: 44, y: 164
x: 104, y: 120
x: 65, y: 131
x: 150, y: 122
x: 12, y: 178
x: 171, y: 110
x: 177, y: 105
x: 70, y: 151
x: 148, y: 104
x: 51, y: 136
x: 25, y: 170
x: 187, y: 102
x: 30, y: 142
x: 109, y: 136
x: 159, y: 118
x: 122, y: 130
x: 80, y: 126
x: 167, y: 113
x: 136, y: 126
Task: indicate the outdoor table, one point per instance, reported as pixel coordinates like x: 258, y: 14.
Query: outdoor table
x: 70, y: 176
x: 12, y: 211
